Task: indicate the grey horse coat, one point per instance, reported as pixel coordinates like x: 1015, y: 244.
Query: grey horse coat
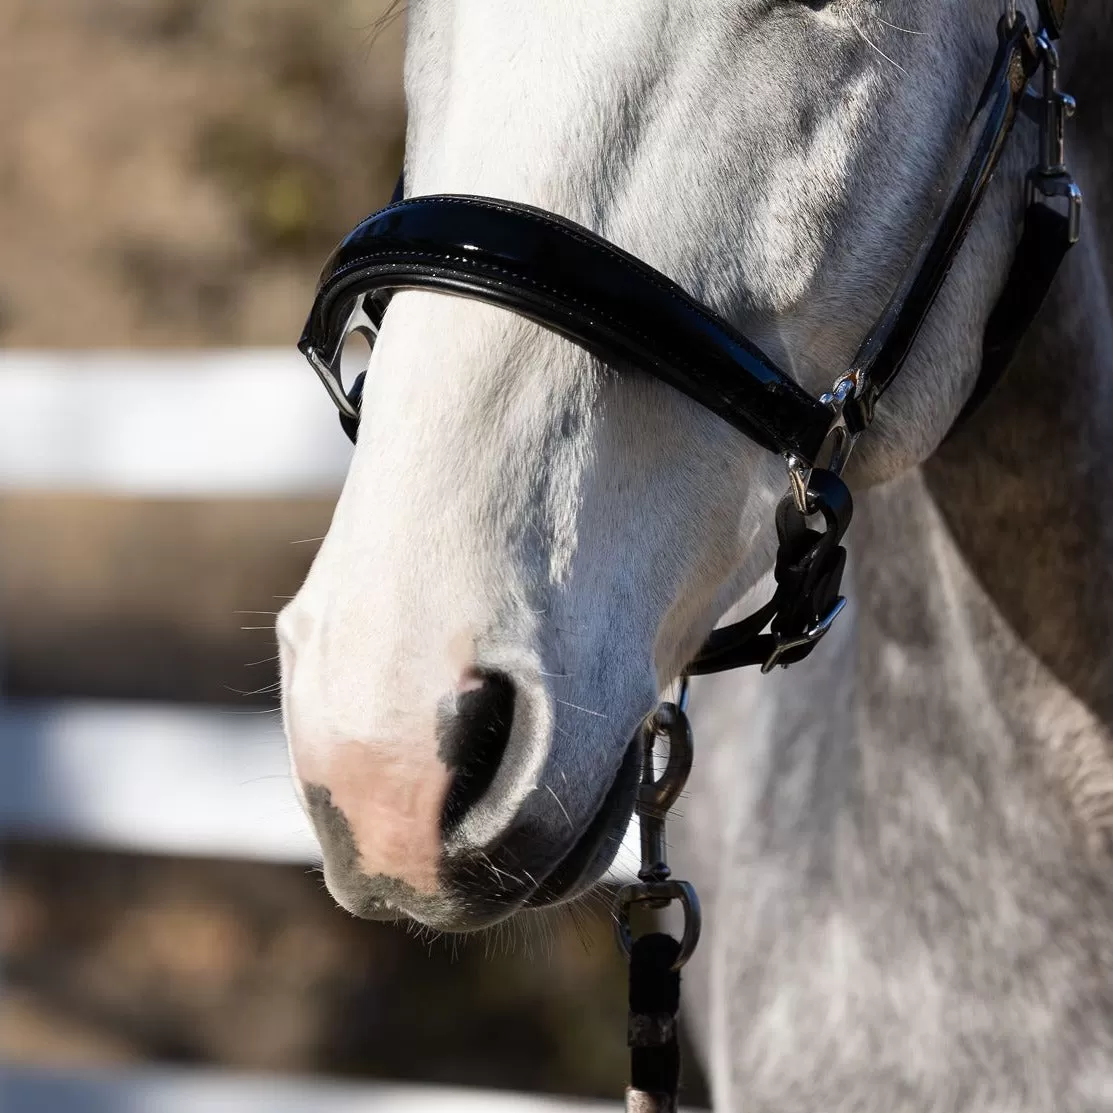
x: 906, y: 841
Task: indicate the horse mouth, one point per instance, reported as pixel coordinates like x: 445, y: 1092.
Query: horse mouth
x: 597, y: 845
x: 574, y: 872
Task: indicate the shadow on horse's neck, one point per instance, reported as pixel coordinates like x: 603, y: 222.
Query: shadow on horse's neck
x: 1025, y: 488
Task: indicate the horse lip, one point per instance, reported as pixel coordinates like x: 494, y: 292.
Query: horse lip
x: 609, y: 821
x: 557, y: 882
x: 382, y: 912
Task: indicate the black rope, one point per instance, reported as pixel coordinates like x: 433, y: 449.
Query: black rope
x: 654, y: 1001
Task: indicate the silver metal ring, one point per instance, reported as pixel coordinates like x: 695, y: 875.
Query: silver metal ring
x: 656, y: 797
x: 659, y: 894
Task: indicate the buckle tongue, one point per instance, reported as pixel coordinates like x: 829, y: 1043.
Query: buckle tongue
x: 785, y: 644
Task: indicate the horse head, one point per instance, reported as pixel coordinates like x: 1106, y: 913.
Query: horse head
x: 530, y: 544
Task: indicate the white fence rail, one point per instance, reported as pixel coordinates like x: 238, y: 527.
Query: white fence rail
x: 26, y: 1090
x: 198, y: 424
x: 155, y: 778
x: 164, y: 779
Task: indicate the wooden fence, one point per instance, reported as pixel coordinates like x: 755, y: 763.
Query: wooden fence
x: 166, y: 778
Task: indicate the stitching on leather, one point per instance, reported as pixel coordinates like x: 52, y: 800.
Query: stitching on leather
x: 637, y: 266
x: 552, y: 290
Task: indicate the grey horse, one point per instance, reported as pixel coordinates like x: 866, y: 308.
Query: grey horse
x: 902, y: 842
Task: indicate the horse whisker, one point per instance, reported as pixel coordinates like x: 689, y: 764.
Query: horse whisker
x: 905, y: 30
x: 869, y: 42
x: 585, y: 710
x: 564, y: 810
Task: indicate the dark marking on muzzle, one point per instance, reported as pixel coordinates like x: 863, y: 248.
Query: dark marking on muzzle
x: 373, y: 897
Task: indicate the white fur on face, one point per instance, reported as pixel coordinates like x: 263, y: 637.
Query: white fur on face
x: 514, y: 506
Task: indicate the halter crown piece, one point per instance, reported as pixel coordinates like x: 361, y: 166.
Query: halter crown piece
x: 577, y: 284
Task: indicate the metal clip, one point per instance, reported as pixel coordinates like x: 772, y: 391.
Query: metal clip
x: 1051, y: 178
x: 841, y: 439
x: 654, y: 887
x: 837, y: 445
x: 659, y: 894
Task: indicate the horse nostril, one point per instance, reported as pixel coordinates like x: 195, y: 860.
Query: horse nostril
x: 473, y: 729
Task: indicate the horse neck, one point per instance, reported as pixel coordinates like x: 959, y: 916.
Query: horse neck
x: 982, y: 579
x: 1024, y: 489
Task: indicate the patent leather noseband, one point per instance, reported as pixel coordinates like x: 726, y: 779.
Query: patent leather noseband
x: 574, y: 283
x: 631, y: 316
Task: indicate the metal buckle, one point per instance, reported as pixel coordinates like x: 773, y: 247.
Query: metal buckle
x: 332, y: 384
x: 837, y: 445
x: 1051, y: 178
x: 359, y: 321
x: 811, y: 635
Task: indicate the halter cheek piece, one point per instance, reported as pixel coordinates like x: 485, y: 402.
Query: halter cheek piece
x: 631, y: 316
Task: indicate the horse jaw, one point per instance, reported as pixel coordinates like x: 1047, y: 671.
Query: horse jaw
x: 515, y: 509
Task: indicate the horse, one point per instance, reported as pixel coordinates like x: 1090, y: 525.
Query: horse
x: 902, y: 843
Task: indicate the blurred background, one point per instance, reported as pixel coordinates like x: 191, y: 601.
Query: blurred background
x: 172, y: 175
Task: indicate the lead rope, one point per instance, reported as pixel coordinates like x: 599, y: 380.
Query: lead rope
x: 656, y: 958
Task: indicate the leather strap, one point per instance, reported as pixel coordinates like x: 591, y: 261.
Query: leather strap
x: 575, y: 283
x: 886, y: 348
x: 652, y: 1034
x: 808, y: 573
x: 1053, y: 13
x: 1043, y: 246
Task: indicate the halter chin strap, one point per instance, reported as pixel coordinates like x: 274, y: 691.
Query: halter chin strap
x: 579, y: 285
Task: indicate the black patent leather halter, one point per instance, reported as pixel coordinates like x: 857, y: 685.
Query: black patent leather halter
x: 577, y: 284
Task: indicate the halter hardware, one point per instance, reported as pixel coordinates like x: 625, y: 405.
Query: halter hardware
x: 838, y: 444
x: 1050, y: 178
x: 655, y: 887
x: 656, y: 958
x: 808, y: 572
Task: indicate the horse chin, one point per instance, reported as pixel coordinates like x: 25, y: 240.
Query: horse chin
x: 595, y: 849
x: 459, y: 909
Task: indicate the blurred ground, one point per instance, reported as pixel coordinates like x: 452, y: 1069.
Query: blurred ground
x: 121, y: 958
x: 174, y: 172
